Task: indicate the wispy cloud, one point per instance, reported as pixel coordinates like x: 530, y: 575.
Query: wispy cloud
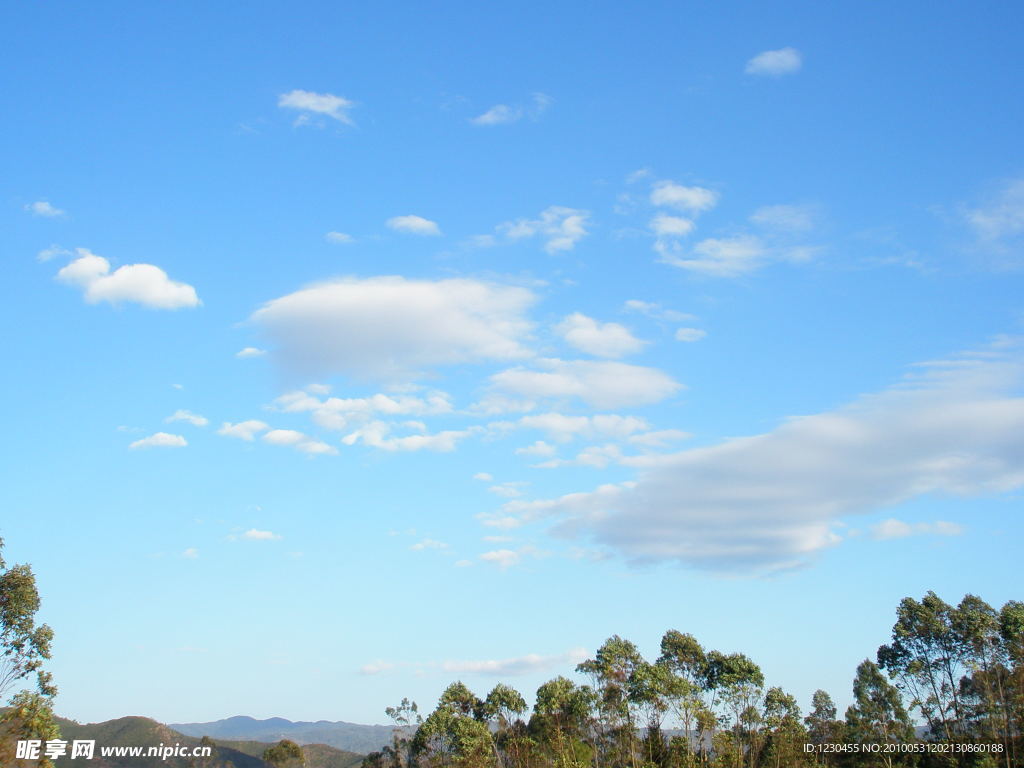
x: 501, y: 114
x: 310, y: 103
x: 784, y: 61
x: 560, y: 227
x: 254, y: 534
x: 414, y: 225
x: 897, y: 529
x: 44, y: 209
x: 160, y: 440
x: 192, y: 418
x: 339, y: 238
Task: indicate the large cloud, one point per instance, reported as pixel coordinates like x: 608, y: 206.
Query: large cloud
x: 393, y: 327
x: 771, y: 501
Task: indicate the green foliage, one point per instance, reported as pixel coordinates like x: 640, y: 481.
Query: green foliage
x: 963, y: 666
x: 284, y: 753
x: 23, y: 646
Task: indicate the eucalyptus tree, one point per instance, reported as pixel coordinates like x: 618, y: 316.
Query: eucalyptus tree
x: 612, y: 668
x: 687, y: 663
x: 504, y: 707
x: 739, y: 681
x: 561, y: 719
x: 822, y: 726
x: 1011, y: 633
x: 784, y: 732
x: 24, y: 647
x: 927, y: 658
x: 455, y: 733
x: 877, y: 715
x: 407, y: 719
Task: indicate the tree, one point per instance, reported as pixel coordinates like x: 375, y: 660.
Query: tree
x: 926, y: 658
x: 455, y: 732
x: 687, y: 663
x: 877, y: 715
x: 822, y: 726
x: 23, y: 649
x: 561, y: 712
x: 25, y: 646
x: 612, y: 667
x: 284, y: 753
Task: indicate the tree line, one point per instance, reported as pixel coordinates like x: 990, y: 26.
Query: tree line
x: 958, y: 669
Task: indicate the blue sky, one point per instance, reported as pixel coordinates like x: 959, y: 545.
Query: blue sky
x: 353, y: 350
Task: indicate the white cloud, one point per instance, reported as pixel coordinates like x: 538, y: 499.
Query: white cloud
x: 339, y: 238
x: 785, y: 218
x: 560, y: 227
x: 1000, y: 223
x: 54, y: 250
x: 521, y: 665
x: 603, y: 384
x: 638, y: 175
x: 191, y: 553
x: 391, y: 327
x: 377, y: 434
x: 771, y: 501
x: 689, y: 199
x: 44, y: 209
x: 192, y: 418
x: 316, y: 447
x: 300, y: 441
x: 376, y: 667
x: 538, y: 448
x: 597, y: 456
x: 725, y: 257
x: 656, y: 311
x: 160, y: 440
x: 307, y: 102
x: 509, y: 490
x: 564, y: 428
x: 897, y: 529
x: 463, y: 563
x: 250, y: 352
x: 599, y: 339
x: 784, y: 61
x: 690, y: 334
x: 428, y: 544
x: 664, y: 225
x: 256, y: 535
x: 497, y: 115
x: 507, y: 558
x: 343, y: 413
x: 501, y: 114
x: 484, y: 477
x: 243, y: 430
x: 414, y: 225
x: 143, y: 284
x: 659, y: 438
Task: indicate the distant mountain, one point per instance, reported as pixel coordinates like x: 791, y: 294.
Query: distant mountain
x: 317, y: 755
x: 350, y: 737
x: 143, y: 732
